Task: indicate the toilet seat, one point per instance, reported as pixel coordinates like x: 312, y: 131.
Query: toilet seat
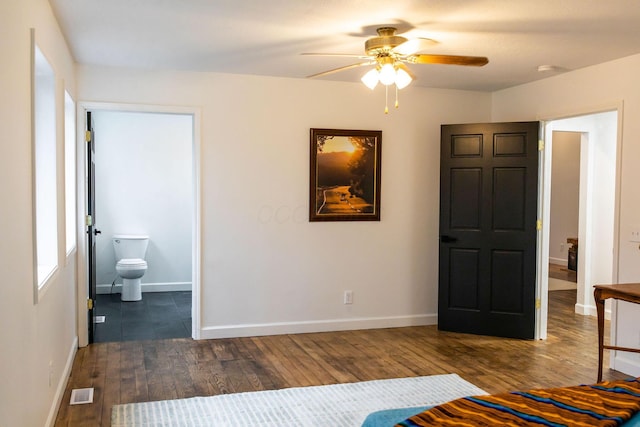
x: 131, y: 263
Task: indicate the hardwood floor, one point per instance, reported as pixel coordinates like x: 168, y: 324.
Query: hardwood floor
x: 562, y: 272
x: 138, y: 371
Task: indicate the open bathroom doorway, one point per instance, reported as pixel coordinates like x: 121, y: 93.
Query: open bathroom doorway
x: 146, y: 180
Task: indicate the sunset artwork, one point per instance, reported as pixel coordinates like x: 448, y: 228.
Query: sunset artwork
x: 345, y: 175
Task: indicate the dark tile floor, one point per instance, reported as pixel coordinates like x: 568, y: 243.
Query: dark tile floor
x: 158, y: 315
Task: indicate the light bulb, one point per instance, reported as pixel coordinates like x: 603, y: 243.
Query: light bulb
x: 387, y: 74
x: 370, y: 79
x: 402, y: 79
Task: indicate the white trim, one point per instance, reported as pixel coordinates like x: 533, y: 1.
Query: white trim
x: 32, y: 124
x: 558, y: 261
x: 62, y: 384
x: 280, y: 328
x: 82, y: 326
x: 196, y: 229
x: 542, y: 287
x: 46, y: 282
x: 542, y: 236
x: 590, y: 310
x: 105, y: 288
x: 620, y: 363
x: 196, y: 288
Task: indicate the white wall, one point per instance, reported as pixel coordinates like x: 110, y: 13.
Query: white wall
x: 565, y: 194
x: 597, y: 88
x: 144, y: 186
x: 37, y: 341
x: 265, y: 268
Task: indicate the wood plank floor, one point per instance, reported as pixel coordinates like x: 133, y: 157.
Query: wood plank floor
x: 139, y: 371
x: 562, y: 272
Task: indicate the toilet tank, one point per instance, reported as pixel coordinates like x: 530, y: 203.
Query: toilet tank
x: 129, y: 246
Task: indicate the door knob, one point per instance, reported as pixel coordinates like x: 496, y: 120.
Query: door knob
x: 96, y: 232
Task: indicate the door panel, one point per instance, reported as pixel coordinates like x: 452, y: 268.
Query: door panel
x: 465, y: 195
x: 488, y: 200
x: 507, y: 281
x: 509, y: 190
x: 464, y: 281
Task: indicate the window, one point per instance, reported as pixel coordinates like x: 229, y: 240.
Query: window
x: 70, y: 170
x: 44, y: 167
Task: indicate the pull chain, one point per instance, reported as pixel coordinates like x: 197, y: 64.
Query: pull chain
x: 396, y: 96
x: 386, y: 99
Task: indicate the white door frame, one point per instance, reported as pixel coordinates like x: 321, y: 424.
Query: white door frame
x: 542, y: 287
x: 82, y: 272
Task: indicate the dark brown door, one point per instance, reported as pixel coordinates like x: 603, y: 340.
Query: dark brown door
x: 92, y: 231
x: 488, y: 208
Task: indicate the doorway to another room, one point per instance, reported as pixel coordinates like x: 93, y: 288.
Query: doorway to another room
x: 564, y: 215
x: 144, y: 188
x: 582, y: 233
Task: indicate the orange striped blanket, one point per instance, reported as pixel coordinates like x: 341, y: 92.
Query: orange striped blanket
x: 609, y: 403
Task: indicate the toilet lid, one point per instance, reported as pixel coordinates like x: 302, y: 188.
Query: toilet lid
x: 131, y: 262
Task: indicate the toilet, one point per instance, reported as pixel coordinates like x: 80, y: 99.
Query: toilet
x: 130, y: 264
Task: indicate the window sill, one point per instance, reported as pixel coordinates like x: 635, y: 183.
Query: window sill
x: 44, y: 284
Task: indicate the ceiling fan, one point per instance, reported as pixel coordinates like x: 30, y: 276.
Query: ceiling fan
x: 389, y: 53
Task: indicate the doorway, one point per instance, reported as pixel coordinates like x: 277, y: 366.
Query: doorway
x: 564, y: 215
x: 597, y: 235
x: 147, y: 184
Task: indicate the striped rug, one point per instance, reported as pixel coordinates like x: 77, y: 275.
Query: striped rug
x: 329, y: 405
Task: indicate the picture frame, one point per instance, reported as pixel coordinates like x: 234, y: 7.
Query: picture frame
x: 344, y: 181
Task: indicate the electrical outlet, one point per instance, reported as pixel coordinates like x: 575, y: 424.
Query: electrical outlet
x: 348, y: 297
x: 561, y: 247
x: 635, y: 236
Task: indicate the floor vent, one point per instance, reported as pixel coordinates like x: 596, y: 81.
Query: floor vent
x: 98, y: 319
x: 81, y: 396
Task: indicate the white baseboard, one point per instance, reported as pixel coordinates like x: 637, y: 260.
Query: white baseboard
x: 558, y: 261
x: 146, y: 287
x: 590, y: 310
x: 280, y: 328
x: 62, y: 384
x: 625, y: 365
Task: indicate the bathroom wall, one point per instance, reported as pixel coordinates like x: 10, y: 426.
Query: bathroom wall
x: 144, y: 186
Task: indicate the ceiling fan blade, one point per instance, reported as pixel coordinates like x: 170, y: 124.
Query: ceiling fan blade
x: 406, y: 70
x: 413, y: 46
x: 476, y: 61
x: 347, y: 67
x: 345, y: 55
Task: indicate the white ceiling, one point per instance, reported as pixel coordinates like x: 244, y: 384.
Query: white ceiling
x: 266, y: 37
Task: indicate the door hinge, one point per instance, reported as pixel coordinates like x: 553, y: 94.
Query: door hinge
x: 89, y: 304
x: 89, y: 220
x: 538, y: 303
x: 87, y: 136
x: 540, y: 145
x: 539, y: 224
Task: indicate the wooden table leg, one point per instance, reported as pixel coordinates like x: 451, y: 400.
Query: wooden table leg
x: 597, y: 294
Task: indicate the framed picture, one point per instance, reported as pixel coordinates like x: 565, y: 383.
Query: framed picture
x: 344, y: 182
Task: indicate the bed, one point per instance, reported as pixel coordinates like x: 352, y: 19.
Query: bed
x: 609, y: 403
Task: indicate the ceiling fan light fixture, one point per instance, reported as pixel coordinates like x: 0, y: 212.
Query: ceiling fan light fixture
x: 387, y: 74
x: 370, y: 79
x: 403, y: 79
